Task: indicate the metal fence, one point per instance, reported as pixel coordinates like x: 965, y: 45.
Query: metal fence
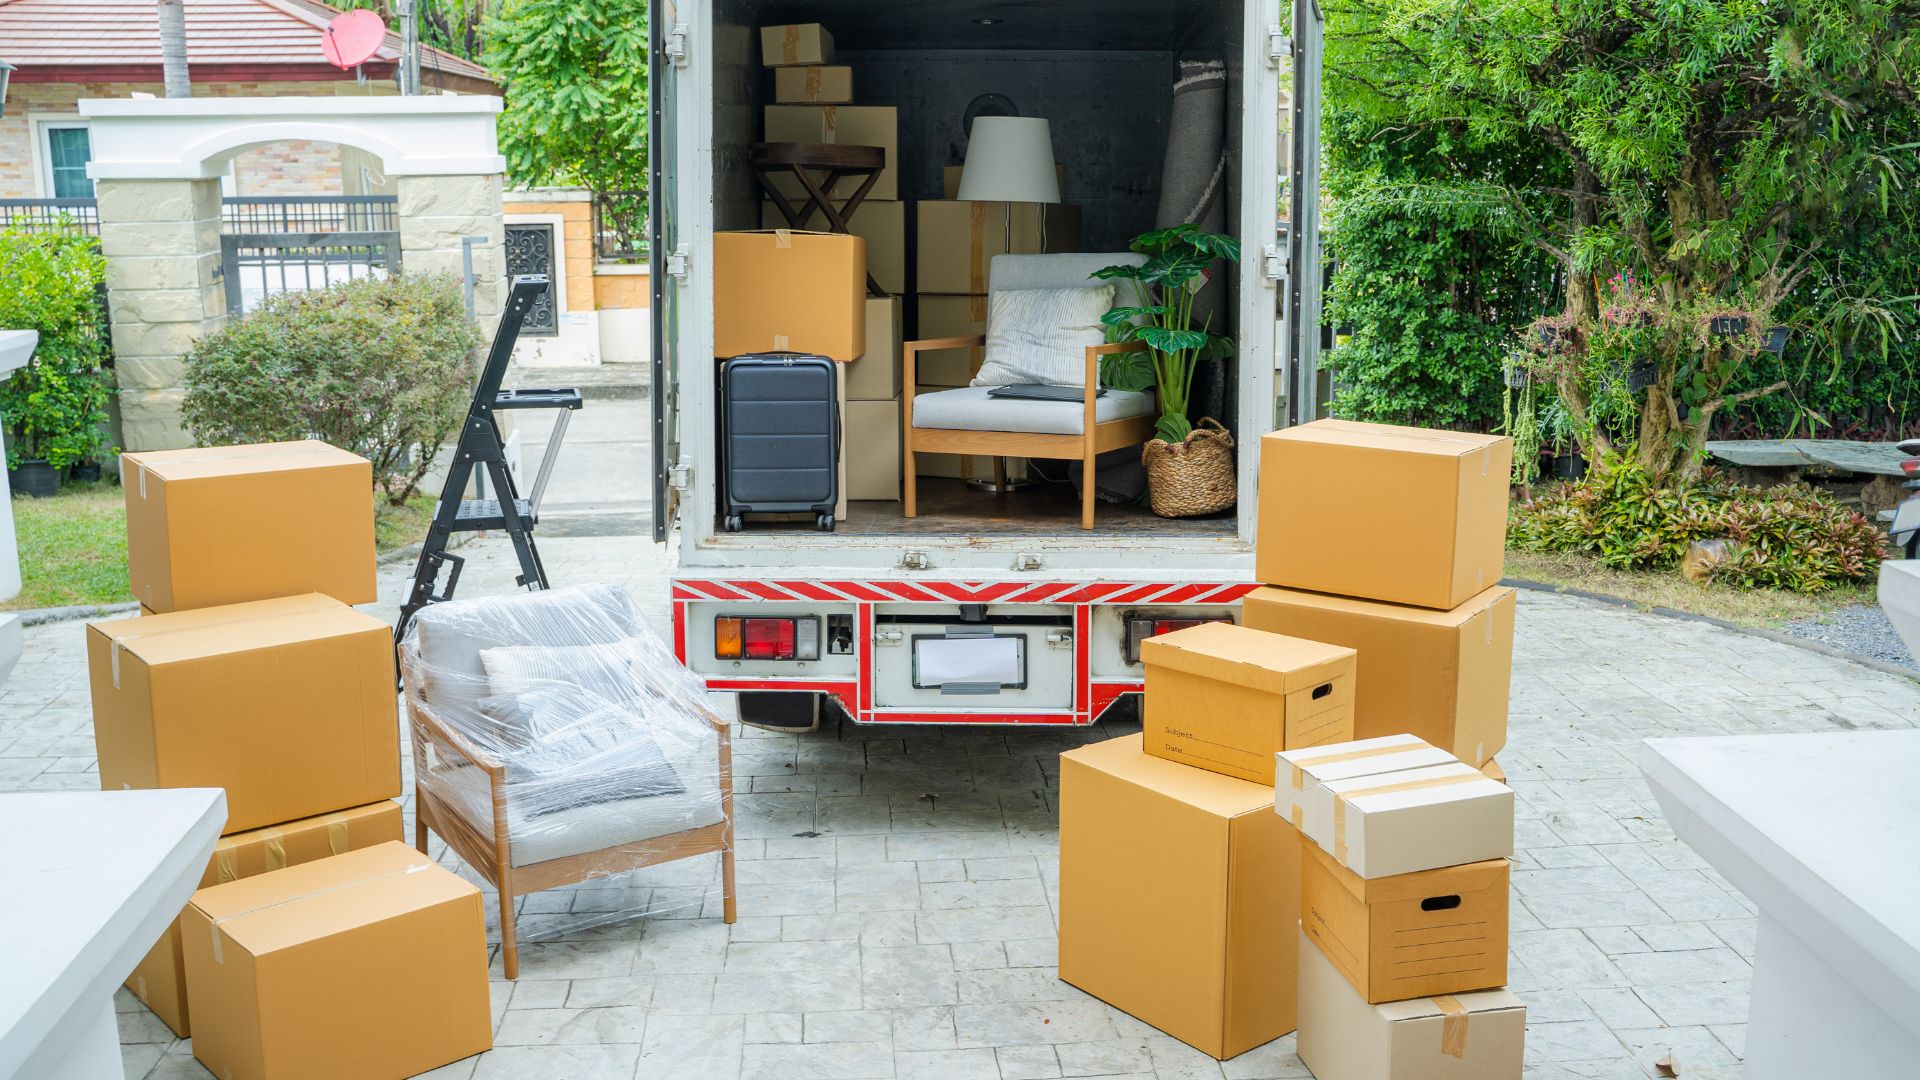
x: 291, y: 243
x: 620, y: 226
x: 50, y: 215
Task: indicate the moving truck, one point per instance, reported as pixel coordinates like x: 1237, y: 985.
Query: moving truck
x: 984, y: 608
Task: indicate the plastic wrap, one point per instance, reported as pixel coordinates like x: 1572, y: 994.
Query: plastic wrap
x: 556, y: 729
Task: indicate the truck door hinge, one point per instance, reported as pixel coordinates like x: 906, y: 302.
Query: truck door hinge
x: 680, y: 476
x: 1279, y: 45
x: 678, y: 264
x: 676, y: 44
x: 888, y: 635
x: 914, y: 560
x: 1026, y: 561
x: 1274, y: 262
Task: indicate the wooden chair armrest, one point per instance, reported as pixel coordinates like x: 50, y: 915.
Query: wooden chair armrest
x: 1095, y: 351
x: 932, y: 344
x: 424, y: 717
x: 1092, y: 382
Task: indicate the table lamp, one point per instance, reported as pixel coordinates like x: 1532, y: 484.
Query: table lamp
x: 1010, y: 160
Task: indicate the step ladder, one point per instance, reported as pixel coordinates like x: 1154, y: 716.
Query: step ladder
x: 480, y: 454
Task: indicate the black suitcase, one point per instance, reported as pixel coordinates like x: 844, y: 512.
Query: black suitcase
x: 780, y: 437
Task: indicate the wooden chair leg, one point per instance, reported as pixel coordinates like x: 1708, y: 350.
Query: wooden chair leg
x: 1000, y: 475
x: 726, y: 883
x: 911, y: 479
x: 1086, y: 488
x: 419, y: 825
x: 509, y: 938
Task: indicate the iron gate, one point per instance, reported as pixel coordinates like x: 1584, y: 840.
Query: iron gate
x: 530, y: 251
x: 290, y: 243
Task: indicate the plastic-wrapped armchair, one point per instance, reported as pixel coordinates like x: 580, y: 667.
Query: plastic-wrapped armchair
x: 557, y: 741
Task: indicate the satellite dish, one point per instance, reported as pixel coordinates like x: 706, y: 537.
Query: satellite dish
x: 352, y: 38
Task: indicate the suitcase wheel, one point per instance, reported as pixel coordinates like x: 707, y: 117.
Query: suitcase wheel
x: 824, y: 522
x: 734, y: 524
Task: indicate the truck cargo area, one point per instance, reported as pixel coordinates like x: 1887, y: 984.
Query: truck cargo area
x: 1103, y: 73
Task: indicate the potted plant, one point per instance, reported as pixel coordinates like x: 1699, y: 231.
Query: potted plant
x: 1190, y: 470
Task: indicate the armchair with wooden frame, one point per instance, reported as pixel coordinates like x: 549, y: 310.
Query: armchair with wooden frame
x: 992, y: 427
x: 465, y: 791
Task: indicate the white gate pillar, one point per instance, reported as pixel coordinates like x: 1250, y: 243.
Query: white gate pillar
x: 436, y: 215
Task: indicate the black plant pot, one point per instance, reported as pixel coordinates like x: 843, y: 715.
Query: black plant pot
x: 1549, y: 336
x: 85, y: 472
x: 1517, y: 378
x: 1569, y: 467
x: 1727, y: 325
x: 35, y: 478
x: 1640, y: 376
x: 1775, y: 340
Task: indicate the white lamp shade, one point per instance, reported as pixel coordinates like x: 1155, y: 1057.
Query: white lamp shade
x: 1010, y: 159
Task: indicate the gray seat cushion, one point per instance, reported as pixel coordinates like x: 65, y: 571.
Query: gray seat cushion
x: 970, y: 409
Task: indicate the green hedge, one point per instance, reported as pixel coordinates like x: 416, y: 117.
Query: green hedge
x: 56, y: 406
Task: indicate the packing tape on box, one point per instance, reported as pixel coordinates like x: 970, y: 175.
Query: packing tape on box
x: 226, y: 863
x: 338, y: 842
x: 831, y: 114
x: 274, y: 844
x: 1340, y: 801
x: 1453, y: 1026
x: 782, y: 239
x: 1299, y: 768
x: 812, y: 91
x: 780, y: 342
x: 214, y: 924
x: 790, y: 48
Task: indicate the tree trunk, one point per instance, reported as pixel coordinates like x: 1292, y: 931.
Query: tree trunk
x: 173, y: 47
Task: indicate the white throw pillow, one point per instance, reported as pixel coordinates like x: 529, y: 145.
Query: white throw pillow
x: 1042, y: 335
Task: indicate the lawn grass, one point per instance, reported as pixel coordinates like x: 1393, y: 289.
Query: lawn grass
x: 1669, y: 589
x: 73, y: 547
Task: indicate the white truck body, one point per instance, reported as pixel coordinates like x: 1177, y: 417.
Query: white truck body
x: 1064, y: 593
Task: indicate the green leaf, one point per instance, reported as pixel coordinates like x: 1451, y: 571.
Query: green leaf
x: 1173, y: 269
x: 1171, y: 341
x: 1172, y: 427
x: 1159, y: 240
x: 1217, y: 245
x: 1122, y: 315
x: 1123, y: 270
x: 1127, y: 371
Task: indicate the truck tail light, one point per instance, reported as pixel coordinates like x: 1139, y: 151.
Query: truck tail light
x: 774, y: 638
x: 1911, y: 466
x: 1142, y: 627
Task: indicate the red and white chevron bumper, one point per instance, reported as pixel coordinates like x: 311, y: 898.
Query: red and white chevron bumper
x: 855, y: 694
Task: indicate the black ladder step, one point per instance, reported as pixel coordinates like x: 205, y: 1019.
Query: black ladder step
x: 535, y: 398
x: 477, y: 514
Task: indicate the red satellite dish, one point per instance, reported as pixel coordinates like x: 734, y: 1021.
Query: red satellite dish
x: 352, y: 38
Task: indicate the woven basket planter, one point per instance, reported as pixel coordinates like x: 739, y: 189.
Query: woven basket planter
x: 1192, y: 477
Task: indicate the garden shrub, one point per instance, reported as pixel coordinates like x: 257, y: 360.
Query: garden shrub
x: 56, y: 406
x: 378, y: 366
x: 1787, y: 537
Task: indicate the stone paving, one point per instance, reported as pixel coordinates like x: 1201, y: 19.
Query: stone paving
x: 898, y: 888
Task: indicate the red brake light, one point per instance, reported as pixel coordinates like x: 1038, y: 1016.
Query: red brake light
x: 769, y: 639
x: 1142, y: 627
x: 1911, y: 466
x: 1168, y: 626
x: 738, y: 638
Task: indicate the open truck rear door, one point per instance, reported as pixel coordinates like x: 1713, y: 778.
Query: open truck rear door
x: 1301, y: 313
x: 667, y: 260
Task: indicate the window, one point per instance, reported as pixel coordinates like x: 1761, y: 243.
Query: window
x: 68, y: 149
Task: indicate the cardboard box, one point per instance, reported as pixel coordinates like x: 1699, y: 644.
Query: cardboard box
x: 1412, y: 935
x: 1493, y: 771
x: 946, y: 317
x: 1420, y: 819
x: 956, y: 241
x: 883, y: 225
x: 1177, y: 897
x: 1399, y: 514
x: 287, y: 704
x: 796, y: 44
x: 782, y: 291
x: 872, y: 452
x: 371, y: 963
x: 950, y: 179
x: 227, y: 524
x: 876, y: 375
x: 1477, y: 1036
x: 968, y: 467
x: 1300, y: 789
x: 1441, y: 675
x: 813, y: 85
x: 160, y: 979
x: 846, y: 125
x: 1225, y: 698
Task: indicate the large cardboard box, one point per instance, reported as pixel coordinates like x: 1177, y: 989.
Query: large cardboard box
x: 777, y: 290
x: 949, y: 317
x: 876, y: 375
x: 818, y: 84
x: 1412, y: 935
x: 1300, y: 789
x: 796, y: 44
x: 1441, y: 675
x: 883, y: 225
x: 1399, y: 514
x: 1477, y: 1036
x: 287, y: 704
x: 956, y: 241
x: 226, y: 524
x: 160, y: 979
x: 846, y: 125
x: 1420, y: 819
x: 1178, y: 896
x: 872, y: 450
x: 372, y: 963
x: 1226, y: 699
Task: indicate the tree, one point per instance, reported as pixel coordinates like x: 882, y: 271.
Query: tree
x: 452, y: 26
x: 173, y: 47
x: 575, y: 75
x: 1701, y: 154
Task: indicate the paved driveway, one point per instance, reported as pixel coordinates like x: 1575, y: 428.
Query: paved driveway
x: 898, y: 887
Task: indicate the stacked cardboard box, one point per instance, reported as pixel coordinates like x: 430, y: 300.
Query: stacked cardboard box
x: 1179, y: 892
x: 249, y: 671
x: 814, y: 104
x: 1404, y: 911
